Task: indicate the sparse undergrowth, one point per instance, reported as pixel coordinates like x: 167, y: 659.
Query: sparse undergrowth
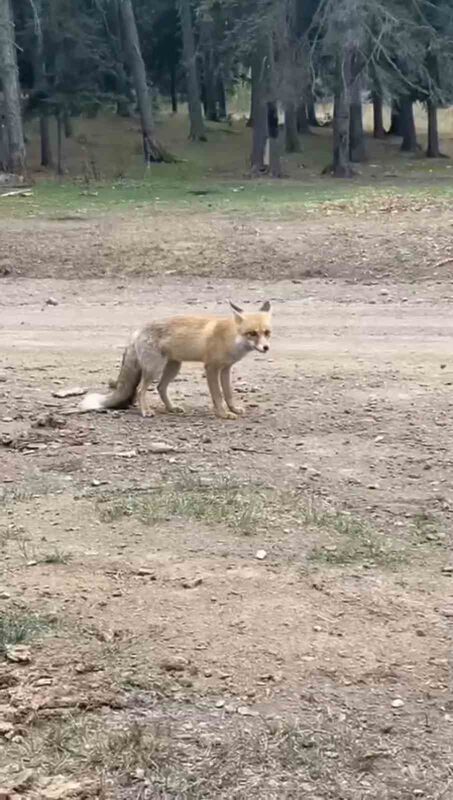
x: 17, y: 627
x: 234, y: 759
x: 251, y: 509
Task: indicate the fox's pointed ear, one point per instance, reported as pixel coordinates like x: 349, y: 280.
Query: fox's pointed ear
x: 237, y: 311
x: 266, y: 307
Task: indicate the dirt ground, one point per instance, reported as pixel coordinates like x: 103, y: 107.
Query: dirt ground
x: 262, y: 608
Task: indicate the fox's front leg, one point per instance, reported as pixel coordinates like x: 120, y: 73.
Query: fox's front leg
x: 225, y: 380
x: 213, y: 378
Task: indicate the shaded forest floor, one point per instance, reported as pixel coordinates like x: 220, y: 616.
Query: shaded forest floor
x: 196, y: 609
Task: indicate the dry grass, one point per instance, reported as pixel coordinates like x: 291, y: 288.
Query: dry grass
x: 17, y: 627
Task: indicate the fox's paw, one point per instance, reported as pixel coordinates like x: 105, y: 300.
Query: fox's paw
x: 147, y: 412
x: 224, y: 414
x: 176, y: 410
x: 238, y: 410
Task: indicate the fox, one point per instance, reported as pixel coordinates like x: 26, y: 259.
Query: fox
x: 156, y: 352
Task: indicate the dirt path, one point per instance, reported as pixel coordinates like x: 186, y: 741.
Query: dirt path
x: 318, y: 671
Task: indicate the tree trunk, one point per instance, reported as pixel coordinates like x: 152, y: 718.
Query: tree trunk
x: 341, y: 164
x: 59, y: 144
x: 357, y: 152
x: 9, y: 76
x: 258, y: 112
x: 221, y: 96
x: 197, y: 129
x: 409, y: 143
x: 68, y: 126
x: 433, y: 149
x: 3, y: 146
x: 209, y: 70
x: 46, y: 148
x: 302, y: 118
x: 311, y: 111
x: 173, y: 93
x: 152, y: 149
x: 292, y: 144
x: 40, y: 81
x: 396, y: 126
x: 274, y: 144
x: 378, y: 117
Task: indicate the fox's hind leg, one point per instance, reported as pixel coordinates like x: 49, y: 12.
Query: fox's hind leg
x: 152, y: 363
x: 170, y: 372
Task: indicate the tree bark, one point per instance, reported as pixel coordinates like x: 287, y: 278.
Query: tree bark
x: 221, y: 96
x: 68, y: 126
x: 311, y: 112
x: 357, y: 152
x: 378, y: 117
x: 46, y: 147
x: 433, y: 149
x: 274, y: 144
x: 197, y: 128
x: 40, y: 82
x: 302, y: 118
x: 209, y: 71
x: 173, y: 93
x: 152, y: 149
x: 396, y: 127
x: 9, y: 76
x: 409, y: 143
x: 258, y: 112
x: 292, y: 144
x: 341, y: 163
x: 59, y: 144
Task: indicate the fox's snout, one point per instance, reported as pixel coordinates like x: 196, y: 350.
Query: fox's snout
x: 261, y: 348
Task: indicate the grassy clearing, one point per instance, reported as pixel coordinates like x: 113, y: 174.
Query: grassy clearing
x: 212, y: 177
x: 248, y: 510
x: 224, y: 760
x: 239, y: 508
x: 18, y: 628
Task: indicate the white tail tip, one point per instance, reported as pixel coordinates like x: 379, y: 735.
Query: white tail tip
x: 92, y: 402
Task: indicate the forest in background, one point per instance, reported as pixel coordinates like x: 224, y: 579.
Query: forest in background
x: 63, y: 59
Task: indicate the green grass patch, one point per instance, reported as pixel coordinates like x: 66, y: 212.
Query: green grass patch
x: 241, y: 509
x: 19, y: 628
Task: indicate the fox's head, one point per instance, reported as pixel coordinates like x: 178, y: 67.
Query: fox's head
x: 254, y: 329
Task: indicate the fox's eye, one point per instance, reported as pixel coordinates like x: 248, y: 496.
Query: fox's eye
x: 267, y: 333
x: 252, y: 334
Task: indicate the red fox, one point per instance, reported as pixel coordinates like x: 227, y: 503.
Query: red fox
x: 157, y: 351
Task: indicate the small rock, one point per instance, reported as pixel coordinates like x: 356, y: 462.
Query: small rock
x: 31, y: 563
x: 174, y: 664
x: 5, y: 727
x: 192, y: 584
x: 447, y: 612
x: 74, y: 391
x: 4, y: 595
x: 146, y: 572
x: 245, y: 711
x: 19, y: 654
x: 260, y: 554
x: 3, y: 378
x: 220, y: 704
x: 51, y: 301
x: 398, y: 703
x: 140, y: 774
x: 448, y: 570
x: 160, y: 448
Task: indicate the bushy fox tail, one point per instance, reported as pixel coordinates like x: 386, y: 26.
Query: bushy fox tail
x: 124, y: 387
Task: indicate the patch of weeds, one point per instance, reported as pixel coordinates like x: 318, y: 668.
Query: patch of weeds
x: 222, y: 759
x: 242, y: 509
x: 425, y: 529
x: 56, y: 557
x: 360, y: 543
x: 18, y: 628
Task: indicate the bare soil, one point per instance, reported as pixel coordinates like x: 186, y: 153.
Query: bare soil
x: 170, y: 661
